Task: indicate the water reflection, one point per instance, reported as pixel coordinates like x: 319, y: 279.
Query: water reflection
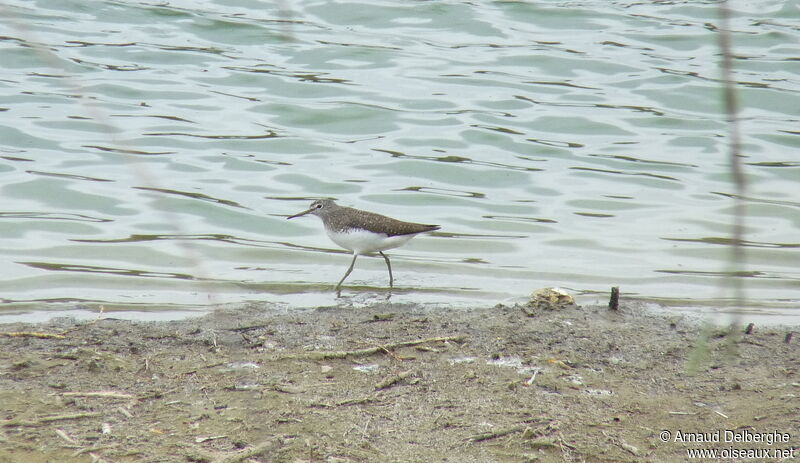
x: 107, y: 270
x: 191, y: 195
x: 59, y: 216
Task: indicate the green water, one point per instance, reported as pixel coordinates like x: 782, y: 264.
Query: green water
x: 150, y: 152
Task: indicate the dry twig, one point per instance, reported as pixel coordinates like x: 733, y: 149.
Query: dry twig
x: 32, y: 334
x: 392, y: 380
x: 50, y: 419
x: 494, y: 435
x: 526, y: 427
x: 106, y: 394
x: 373, y: 350
x: 342, y: 403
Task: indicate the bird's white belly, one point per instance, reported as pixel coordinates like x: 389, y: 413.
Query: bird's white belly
x: 362, y: 241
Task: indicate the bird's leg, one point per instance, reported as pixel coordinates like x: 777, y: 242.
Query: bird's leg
x: 391, y: 280
x: 339, y: 286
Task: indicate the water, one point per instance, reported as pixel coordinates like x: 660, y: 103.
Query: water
x: 150, y: 151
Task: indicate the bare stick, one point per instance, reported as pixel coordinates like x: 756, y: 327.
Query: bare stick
x: 373, y: 350
x: 494, y: 435
x: 32, y: 334
x: 63, y: 434
x: 50, y: 419
x: 392, y: 380
x: 342, y: 403
x: 107, y: 394
x: 504, y: 432
x: 731, y: 102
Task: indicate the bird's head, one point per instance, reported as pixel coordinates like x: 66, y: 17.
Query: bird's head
x: 318, y: 208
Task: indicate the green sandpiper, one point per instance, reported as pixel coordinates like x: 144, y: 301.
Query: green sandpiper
x: 362, y: 232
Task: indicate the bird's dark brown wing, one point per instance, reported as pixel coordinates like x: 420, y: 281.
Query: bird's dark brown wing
x: 377, y: 223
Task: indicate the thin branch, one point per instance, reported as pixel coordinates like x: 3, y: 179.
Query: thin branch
x: 49, y: 419
x: 731, y: 104
x: 326, y: 355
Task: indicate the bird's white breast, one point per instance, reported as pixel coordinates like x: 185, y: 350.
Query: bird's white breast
x: 363, y: 242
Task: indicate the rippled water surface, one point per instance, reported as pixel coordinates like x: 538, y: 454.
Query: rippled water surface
x: 151, y: 151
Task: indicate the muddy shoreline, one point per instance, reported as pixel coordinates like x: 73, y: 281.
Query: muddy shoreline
x: 392, y: 383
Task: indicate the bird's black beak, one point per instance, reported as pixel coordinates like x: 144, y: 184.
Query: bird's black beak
x: 302, y: 213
